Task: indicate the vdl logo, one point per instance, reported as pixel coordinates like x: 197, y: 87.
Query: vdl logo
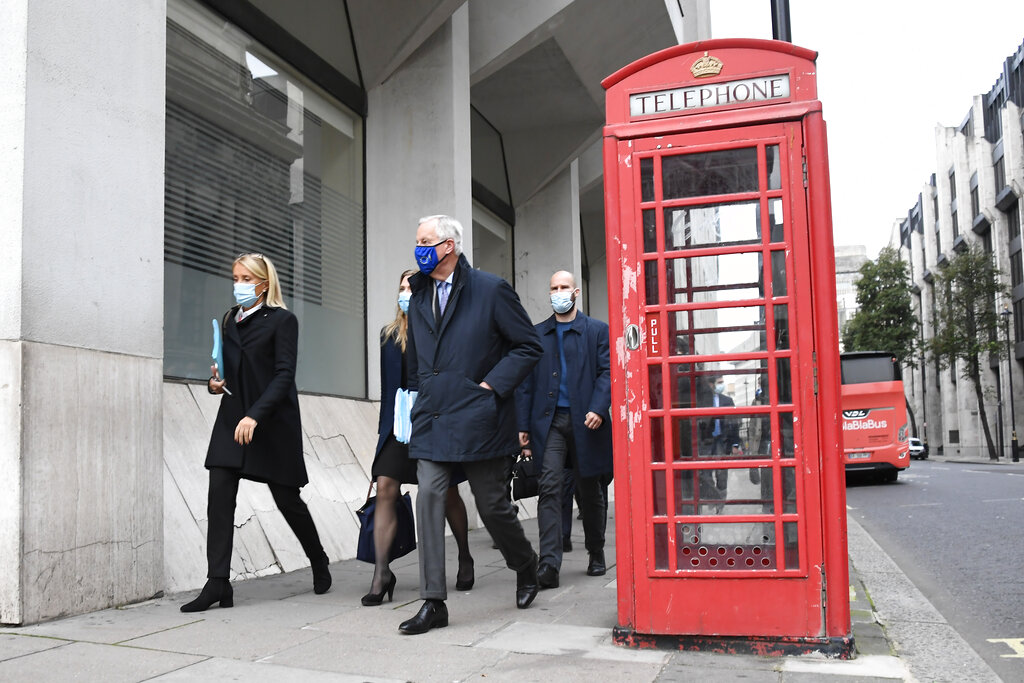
x: 855, y: 414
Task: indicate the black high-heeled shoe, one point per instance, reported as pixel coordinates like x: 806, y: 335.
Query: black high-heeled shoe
x: 373, y: 599
x: 465, y: 584
x: 215, y: 590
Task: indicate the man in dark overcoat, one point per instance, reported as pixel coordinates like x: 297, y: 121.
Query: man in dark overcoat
x: 470, y: 344
x: 719, y: 437
x: 563, y: 410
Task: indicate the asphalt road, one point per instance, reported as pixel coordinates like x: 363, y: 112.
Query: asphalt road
x: 957, y: 531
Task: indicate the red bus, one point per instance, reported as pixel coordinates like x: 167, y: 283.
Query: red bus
x: 876, y: 436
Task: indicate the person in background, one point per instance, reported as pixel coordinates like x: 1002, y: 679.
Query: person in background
x: 470, y: 344
x: 257, y: 434
x: 563, y: 408
x: 719, y: 438
x: 392, y: 466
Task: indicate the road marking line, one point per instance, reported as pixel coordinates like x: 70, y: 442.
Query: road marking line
x: 1015, y: 644
x: 1001, y: 500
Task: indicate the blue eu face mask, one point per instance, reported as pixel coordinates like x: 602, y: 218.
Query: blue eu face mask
x: 426, y: 257
x: 561, y: 302
x: 403, y: 301
x: 245, y: 294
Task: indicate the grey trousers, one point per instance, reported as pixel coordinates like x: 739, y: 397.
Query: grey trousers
x: 560, y: 452
x: 489, y: 485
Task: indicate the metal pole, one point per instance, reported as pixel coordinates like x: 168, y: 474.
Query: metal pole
x: 1014, y: 452
x: 780, y: 21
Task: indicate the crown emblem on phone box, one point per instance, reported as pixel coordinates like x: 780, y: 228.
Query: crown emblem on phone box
x: 706, y: 66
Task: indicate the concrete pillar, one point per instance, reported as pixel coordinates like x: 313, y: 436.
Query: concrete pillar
x: 547, y: 238
x: 81, y: 305
x: 417, y: 163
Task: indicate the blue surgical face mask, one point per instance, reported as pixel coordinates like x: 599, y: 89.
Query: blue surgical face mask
x: 426, y: 257
x: 720, y: 387
x: 403, y: 301
x: 245, y: 294
x: 562, y: 302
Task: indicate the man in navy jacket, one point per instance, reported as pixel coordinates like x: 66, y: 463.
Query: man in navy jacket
x: 563, y: 411
x: 470, y: 344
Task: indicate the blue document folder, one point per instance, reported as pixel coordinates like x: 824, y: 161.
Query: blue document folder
x: 218, y: 348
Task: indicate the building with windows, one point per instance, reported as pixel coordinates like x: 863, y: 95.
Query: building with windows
x: 849, y: 259
x: 148, y: 143
x: 974, y: 197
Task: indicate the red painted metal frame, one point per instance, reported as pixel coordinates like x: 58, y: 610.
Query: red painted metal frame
x: 665, y: 70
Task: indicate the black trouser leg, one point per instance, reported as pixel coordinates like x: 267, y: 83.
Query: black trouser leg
x: 220, y: 526
x: 593, y: 504
x: 297, y: 515
x: 568, y: 491
x: 551, y: 490
x: 487, y: 481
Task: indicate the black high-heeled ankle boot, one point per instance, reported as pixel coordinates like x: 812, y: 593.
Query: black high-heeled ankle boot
x: 215, y: 590
x: 321, y: 575
x: 373, y: 599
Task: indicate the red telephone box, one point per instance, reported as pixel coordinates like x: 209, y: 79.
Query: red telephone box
x: 730, y: 491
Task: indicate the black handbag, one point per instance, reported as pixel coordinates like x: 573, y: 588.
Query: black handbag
x: 405, y: 533
x: 525, y: 478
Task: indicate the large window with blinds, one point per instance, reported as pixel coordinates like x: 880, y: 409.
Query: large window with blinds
x: 259, y: 159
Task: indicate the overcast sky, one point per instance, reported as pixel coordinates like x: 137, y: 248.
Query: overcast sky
x: 888, y: 74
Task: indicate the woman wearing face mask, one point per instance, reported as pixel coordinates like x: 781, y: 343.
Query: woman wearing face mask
x: 257, y: 434
x: 392, y: 466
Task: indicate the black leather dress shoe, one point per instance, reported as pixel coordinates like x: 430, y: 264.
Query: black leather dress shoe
x: 566, y: 544
x: 433, y: 614
x: 597, y: 566
x: 526, y: 585
x: 547, y: 577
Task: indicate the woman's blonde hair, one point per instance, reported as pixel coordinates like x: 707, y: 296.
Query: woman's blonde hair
x: 399, y: 327
x: 262, y: 267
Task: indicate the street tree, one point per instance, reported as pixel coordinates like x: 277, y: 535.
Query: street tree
x: 885, y: 320
x: 967, y: 323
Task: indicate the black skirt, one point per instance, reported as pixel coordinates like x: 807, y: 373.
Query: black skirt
x: 394, y: 461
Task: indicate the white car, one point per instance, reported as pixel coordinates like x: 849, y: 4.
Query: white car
x: 918, y: 451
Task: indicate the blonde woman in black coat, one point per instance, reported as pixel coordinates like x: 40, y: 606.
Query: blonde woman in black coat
x: 258, y: 433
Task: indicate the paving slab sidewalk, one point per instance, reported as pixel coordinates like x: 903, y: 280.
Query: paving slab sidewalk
x: 279, y: 630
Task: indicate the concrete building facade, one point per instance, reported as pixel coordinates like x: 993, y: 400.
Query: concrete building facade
x: 849, y: 259
x: 147, y: 143
x: 974, y: 197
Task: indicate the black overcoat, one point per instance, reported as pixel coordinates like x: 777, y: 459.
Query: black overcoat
x: 484, y: 336
x: 259, y: 368
x: 588, y: 372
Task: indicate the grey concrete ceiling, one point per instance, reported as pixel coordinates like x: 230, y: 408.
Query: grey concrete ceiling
x: 388, y: 31
x: 537, y: 65
x: 548, y: 102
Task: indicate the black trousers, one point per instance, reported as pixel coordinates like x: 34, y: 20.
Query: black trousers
x: 560, y: 455
x: 220, y: 512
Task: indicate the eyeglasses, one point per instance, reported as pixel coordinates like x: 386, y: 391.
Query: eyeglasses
x: 261, y: 257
